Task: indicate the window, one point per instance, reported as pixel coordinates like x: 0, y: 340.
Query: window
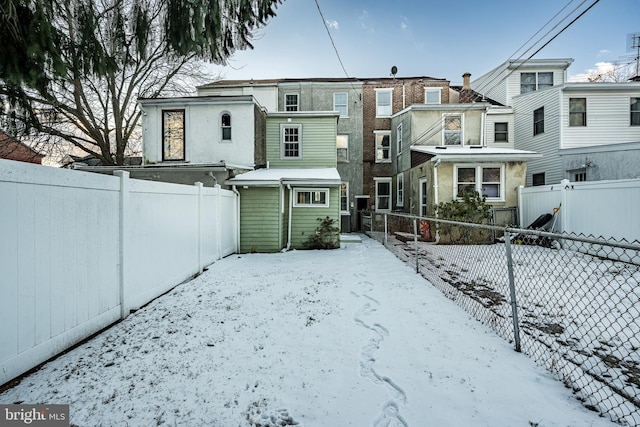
x: 382, y: 146
x: 399, y: 137
x: 635, y: 112
x: 432, y: 95
x: 452, y: 129
x: 538, y: 179
x: 291, y: 137
x: 340, y: 102
x: 310, y: 197
x: 530, y: 82
x: 344, y: 197
x: 342, y: 147
x: 225, y: 126
x: 485, y: 180
x: 383, y: 102
x: 383, y: 194
x: 501, y: 132
x: 580, y: 175
x: 173, y: 135
x: 538, y: 121
x: 291, y: 102
x: 577, y: 111
x: 400, y: 189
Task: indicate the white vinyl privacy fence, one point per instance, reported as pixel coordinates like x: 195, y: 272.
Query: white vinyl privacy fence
x: 608, y: 209
x: 79, y: 251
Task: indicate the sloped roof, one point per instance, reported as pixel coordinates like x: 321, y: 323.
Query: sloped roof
x: 12, y: 149
x: 277, y: 176
x: 475, y: 153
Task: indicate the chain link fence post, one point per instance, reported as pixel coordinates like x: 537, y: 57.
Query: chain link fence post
x: 512, y: 290
x: 415, y: 242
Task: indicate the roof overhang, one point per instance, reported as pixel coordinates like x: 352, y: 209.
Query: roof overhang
x: 276, y: 177
x: 475, y: 153
x: 167, y: 167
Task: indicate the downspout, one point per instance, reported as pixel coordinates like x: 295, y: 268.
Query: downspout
x: 237, y: 193
x: 289, y: 220
x: 435, y: 195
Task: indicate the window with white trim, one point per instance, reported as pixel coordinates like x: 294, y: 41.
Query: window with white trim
x: 383, y: 194
x: 384, y: 99
x: 432, y: 95
x: 344, y: 197
x: 291, y: 102
x: 225, y: 127
x: 424, y: 191
x: 400, y: 189
x: 538, y: 121
x: 173, y: 141
x: 452, y: 129
x: 342, y: 148
x: 383, y: 146
x: 310, y: 197
x: 530, y: 82
x: 340, y: 103
x: 291, y: 138
x: 486, y: 180
x: 635, y: 112
x: 501, y: 132
x: 577, y: 111
x: 399, y: 138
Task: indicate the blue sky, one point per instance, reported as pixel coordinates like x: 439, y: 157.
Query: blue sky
x: 430, y: 38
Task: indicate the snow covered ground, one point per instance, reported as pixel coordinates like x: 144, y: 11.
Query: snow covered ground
x: 312, y: 338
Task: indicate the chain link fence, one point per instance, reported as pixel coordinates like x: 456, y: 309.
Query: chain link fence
x: 572, y: 303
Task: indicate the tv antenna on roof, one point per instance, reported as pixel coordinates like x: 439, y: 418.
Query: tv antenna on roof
x: 633, y: 45
x: 394, y: 71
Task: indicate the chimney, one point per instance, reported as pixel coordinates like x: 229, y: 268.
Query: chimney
x: 466, y: 94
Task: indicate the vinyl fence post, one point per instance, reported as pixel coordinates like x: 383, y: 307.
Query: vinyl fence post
x: 512, y: 289
x: 415, y: 242
x: 386, y: 228
x: 123, y: 238
x: 199, y: 239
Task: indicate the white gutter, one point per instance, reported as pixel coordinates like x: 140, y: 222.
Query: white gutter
x: 435, y: 195
x: 289, y: 219
x: 237, y: 193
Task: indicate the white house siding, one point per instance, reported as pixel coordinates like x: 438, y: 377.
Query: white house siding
x: 203, y: 139
x: 265, y: 94
x: 546, y: 143
x: 504, y: 115
x: 513, y: 82
x: 607, y: 118
x: 491, y: 85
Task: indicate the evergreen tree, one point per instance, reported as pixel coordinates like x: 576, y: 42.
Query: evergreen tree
x: 71, y: 70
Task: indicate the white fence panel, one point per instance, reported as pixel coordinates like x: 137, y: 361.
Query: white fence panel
x: 229, y: 243
x: 161, y: 239
x: 607, y: 209
x: 58, y: 265
x: 79, y: 250
x: 536, y: 201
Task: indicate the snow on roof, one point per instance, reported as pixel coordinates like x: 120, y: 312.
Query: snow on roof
x: 475, y: 153
x: 276, y: 176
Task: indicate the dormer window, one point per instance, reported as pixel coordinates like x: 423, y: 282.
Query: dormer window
x: 530, y: 82
x: 225, y: 127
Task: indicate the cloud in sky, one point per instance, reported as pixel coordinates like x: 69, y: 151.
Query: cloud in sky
x: 404, y: 23
x: 333, y: 24
x: 604, y: 52
x: 364, y: 21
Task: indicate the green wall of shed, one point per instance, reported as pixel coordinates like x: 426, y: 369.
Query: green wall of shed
x: 305, y: 219
x: 260, y: 220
